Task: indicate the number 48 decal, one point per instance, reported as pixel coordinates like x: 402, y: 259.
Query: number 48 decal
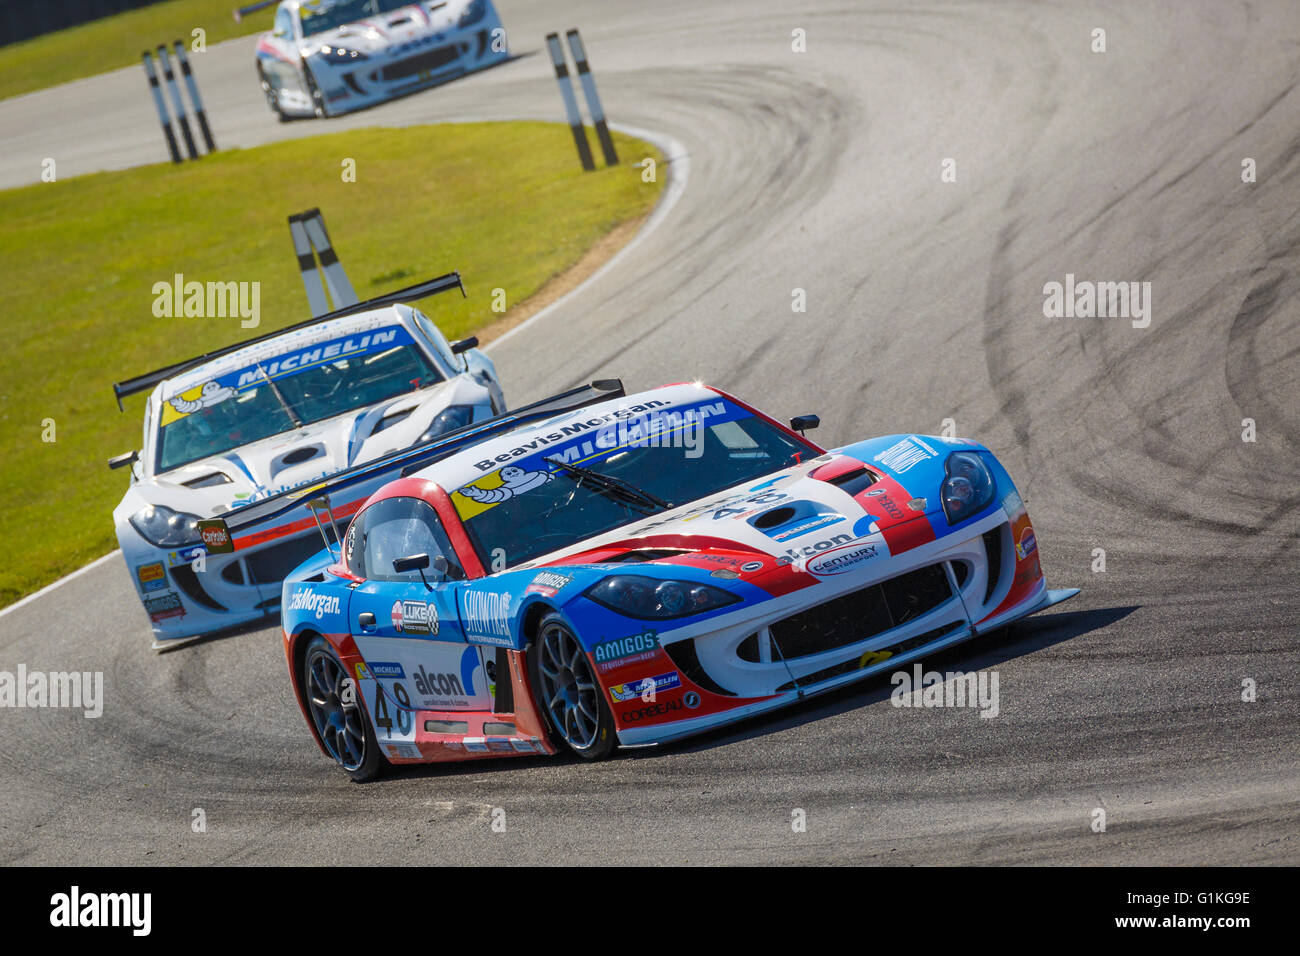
x: 403, y: 708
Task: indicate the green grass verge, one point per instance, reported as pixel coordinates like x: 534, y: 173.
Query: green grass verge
x: 117, y: 41
x: 505, y: 203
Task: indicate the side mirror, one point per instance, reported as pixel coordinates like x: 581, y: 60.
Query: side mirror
x: 413, y: 562
x: 121, y: 461
x: 464, y: 345
x: 803, y: 423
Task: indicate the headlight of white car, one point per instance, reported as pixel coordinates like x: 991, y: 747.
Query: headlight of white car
x: 161, y: 526
x: 338, y: 54
x: 448, y: 420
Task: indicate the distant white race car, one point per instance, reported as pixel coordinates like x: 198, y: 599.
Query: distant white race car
x: 325, y: 57
x: 282, y: 411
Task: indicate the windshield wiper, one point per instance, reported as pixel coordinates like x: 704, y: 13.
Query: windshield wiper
x: 276, y: 392
x: 620, y: 486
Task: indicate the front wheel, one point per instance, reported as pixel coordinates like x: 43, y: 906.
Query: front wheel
x: 568, y: 692
x: 338, y: 714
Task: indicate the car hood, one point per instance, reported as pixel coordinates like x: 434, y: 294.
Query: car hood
x: 404, y: 25
x: 222, y: 483
x: 787, y: 518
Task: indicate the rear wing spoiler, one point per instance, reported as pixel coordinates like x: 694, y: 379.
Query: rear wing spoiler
x: 412, y: 293
x: 412, y: 459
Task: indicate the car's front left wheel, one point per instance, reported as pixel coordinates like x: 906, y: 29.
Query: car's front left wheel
x: 568, y: 692
x: 338, y: 713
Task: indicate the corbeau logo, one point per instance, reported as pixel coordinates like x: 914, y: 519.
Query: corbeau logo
x: 654, y: 710
x: 881, y: 497
x: 313, y: 603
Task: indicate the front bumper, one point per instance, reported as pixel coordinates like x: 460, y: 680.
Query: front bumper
x: 406, y: 67
x: 780, y: 651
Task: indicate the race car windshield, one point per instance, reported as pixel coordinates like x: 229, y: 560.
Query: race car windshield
x: 633, y: 466
x: 322, y: 16
x: 243, y: 407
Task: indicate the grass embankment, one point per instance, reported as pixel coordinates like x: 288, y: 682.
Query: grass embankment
x: 506, y: 204
x: 116, y: 41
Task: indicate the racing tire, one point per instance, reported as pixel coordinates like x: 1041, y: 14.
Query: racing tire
x: 272, y: 98
x: 344, y: 729
x: 567, y: 691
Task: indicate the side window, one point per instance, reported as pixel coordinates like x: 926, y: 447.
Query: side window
x: 397, y: 528
x: 284, y: 23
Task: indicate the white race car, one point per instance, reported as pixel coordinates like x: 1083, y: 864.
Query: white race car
x: 282, y: 411
x: 325, y: 57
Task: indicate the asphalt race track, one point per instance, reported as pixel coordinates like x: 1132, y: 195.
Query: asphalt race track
x: 821, y: 171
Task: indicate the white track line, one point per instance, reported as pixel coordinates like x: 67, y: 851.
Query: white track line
x: 63, y: 580
x: 679, y: 162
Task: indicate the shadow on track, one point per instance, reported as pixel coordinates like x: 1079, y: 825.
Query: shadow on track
x: 1016, y: 640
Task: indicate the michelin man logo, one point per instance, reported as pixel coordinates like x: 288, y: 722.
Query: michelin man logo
x: 211, y: 394
x: 514, y: 481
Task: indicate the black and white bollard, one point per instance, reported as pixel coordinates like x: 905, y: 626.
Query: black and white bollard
x: 192, y: 87
x: 307, y: 229
x: 175, y: 92
x: 570, y: 101
x: 593, y: 98
x: 163, y: 119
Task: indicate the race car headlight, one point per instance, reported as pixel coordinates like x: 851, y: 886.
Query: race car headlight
x: 161, y: 526
x: 969, y: 487
x: 475, y: 12
x: 338, y: 54
x: 448, y: 420
x: 657, y: 599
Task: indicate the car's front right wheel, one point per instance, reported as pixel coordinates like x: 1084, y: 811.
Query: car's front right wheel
x: 567, y: 690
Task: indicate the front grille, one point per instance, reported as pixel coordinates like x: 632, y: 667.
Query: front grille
x: 421, y: 63
x: 188, y: 582
x: 687, y: 661
x: 861, y: 614
x: 272, y: 565
x: 873, y: 657
x: 993, y: 549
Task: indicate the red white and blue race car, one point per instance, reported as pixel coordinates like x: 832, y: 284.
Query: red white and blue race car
x: 599, y: 569
x: 325, y: 57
